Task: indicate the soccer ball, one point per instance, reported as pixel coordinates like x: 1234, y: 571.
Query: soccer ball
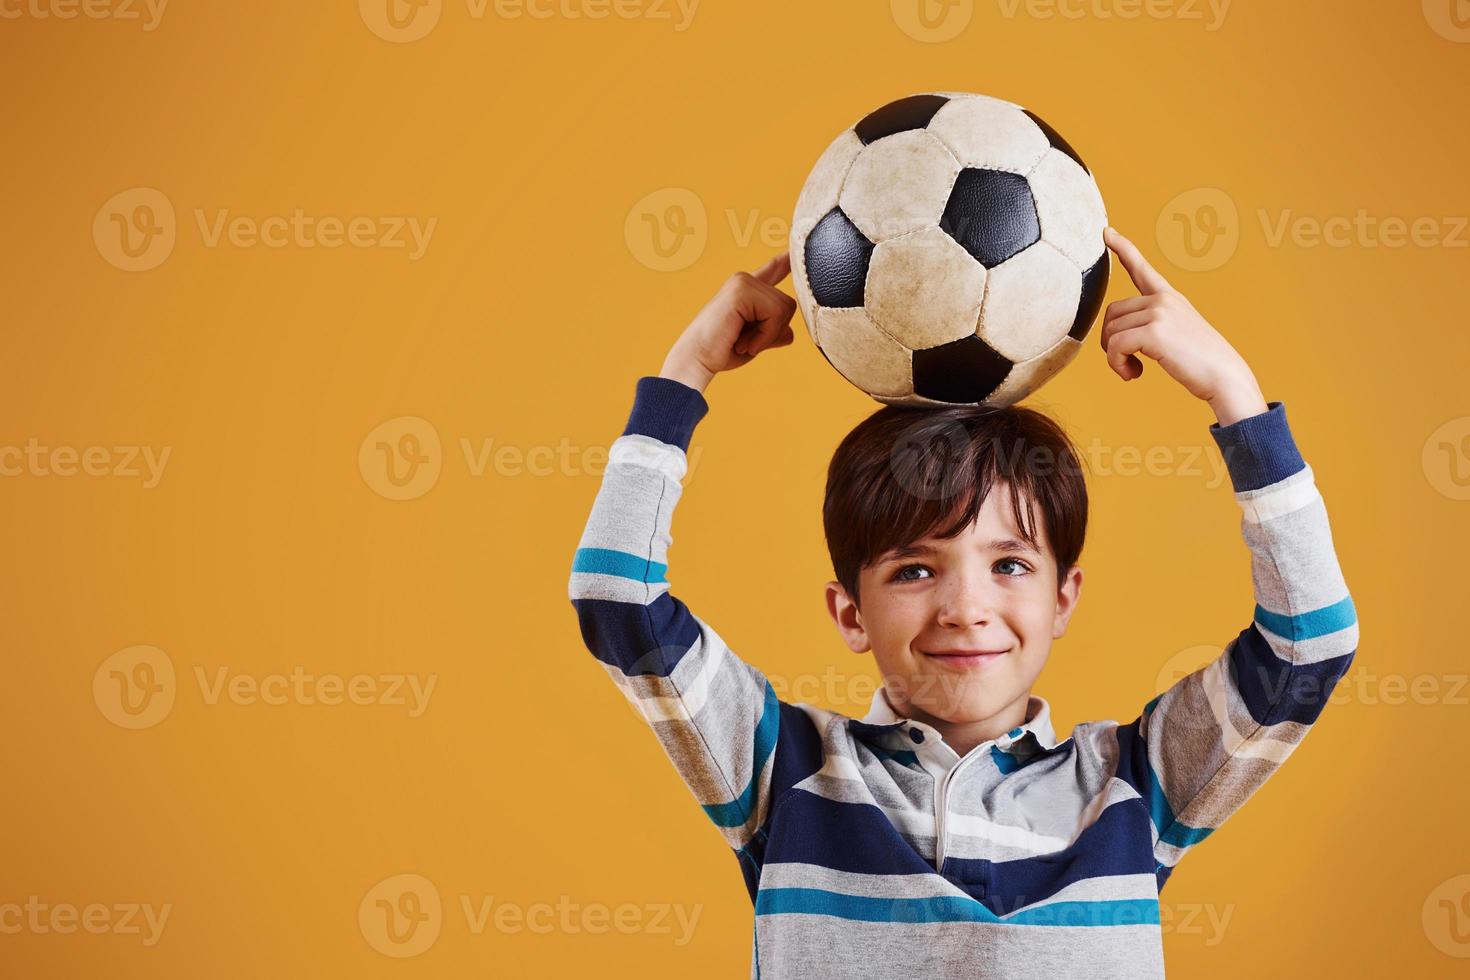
x: 948, y: 249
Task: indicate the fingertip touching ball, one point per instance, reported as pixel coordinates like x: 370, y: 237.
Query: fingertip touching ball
x: 948, y: 249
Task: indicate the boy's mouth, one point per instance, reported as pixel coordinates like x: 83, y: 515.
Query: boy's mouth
x: 965, y: 657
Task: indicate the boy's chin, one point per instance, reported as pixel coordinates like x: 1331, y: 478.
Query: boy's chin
x: 970, y: 710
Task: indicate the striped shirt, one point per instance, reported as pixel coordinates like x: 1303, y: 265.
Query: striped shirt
x: 870, y: 844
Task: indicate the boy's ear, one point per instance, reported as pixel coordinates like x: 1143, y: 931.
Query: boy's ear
x: 1067, y: 597
x: 849, y: 620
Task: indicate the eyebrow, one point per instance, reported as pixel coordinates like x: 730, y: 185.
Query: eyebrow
x: 916, y: 549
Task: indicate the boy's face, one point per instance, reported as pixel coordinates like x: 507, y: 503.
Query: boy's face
x: 972, y: 592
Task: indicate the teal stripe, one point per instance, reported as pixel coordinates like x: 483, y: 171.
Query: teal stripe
x: 1305, y: 626
x: 1171, y: 830
x: 605, y: 561
x: 903, y: 757
x: 1004, y: 761
x: 738, y: 810
x: 951, y: 908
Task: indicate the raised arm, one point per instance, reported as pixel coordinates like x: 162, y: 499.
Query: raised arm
x: 1200, y: 749
x: 716, y: 716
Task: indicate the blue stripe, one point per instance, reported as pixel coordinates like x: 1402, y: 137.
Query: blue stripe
x: 904, y: 757
x: 951, y: 908
x: 1305, y: 626
x: 1276, y: 690
x: 853, y: 837
x: 666, y: 410
x: 606, y: 561
x: 737, y: 811
x: 1118, y: 843
x: 641, y: 641
x: 1004, y: 761
x: 1171, y: 830
x: 1258, y: 450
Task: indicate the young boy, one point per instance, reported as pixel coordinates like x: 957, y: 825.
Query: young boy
x: 948, y: 833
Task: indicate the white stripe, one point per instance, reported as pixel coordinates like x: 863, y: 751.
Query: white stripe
x: 1292, y: 496
x: 681, y: 707
x: 969, y: 825
x: 1102, y: 888
x: 641, y: 450
x: 797, y: 874
x: 1256, y: 746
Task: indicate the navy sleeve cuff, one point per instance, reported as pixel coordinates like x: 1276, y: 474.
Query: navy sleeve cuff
x: 666, y: 410
x: 1259, y: 449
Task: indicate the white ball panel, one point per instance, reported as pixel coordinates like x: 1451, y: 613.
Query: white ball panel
x: 824, y: 184
x: 1070, y: 208
x: 1028, y: 376
x: 1030, y: 302
x: 899, y: 185
x: 974, y: 95
x: 865, y: 355
x: 990, y: 134
x: 925, y: 289
x: 913, y: 401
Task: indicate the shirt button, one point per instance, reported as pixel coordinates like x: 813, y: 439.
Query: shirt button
x: 916, y: 735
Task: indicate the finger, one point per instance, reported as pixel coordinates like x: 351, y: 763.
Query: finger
x: 1122, y: 306
x: 1123, y: 351
x: 775, y: 270
x: 1144, y: 276
x: 766, y: 312
x: 1126, y: 322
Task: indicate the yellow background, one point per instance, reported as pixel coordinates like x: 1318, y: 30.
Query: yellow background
x: 536, y: 145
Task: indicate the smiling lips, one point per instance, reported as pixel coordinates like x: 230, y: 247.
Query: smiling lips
x: 965, y: 658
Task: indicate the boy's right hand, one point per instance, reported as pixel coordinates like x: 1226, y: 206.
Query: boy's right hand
x: 747, y: 315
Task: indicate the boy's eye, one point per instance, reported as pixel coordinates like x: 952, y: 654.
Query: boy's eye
x: 900, y: 576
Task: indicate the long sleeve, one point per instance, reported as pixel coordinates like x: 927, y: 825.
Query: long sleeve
x: 717, y: 717
x: 1200, y: 749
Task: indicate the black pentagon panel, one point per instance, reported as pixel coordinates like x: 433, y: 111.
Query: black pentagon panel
x: 1055, y: 138
x: 961, y: 371
x: 992, y: 214
x: 1094, y: 287
x: 913, y: 112
x: 837, y: 257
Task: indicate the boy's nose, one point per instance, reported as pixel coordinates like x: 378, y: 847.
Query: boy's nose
x: 967, y: 603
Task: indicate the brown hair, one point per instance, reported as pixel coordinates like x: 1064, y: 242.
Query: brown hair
x: 902, y: 473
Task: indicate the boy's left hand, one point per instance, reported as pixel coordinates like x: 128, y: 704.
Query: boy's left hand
x: 1162, y: 324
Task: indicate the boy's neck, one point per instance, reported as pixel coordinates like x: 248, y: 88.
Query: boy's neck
x: 964, y: 736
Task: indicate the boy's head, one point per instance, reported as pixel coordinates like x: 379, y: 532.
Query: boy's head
x: 920, y: 507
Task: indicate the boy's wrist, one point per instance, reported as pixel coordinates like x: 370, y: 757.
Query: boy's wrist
x: 1238, y: 400
x: 686, y: 370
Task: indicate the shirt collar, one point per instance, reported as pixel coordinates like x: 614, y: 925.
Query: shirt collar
x: 1038, y: 719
